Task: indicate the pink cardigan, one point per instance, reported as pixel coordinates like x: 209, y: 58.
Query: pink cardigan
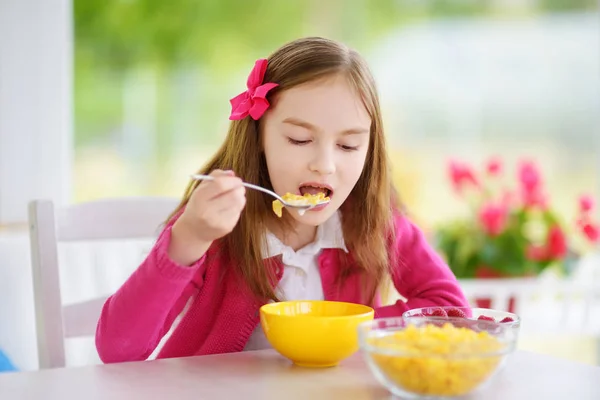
x: 223, y: 312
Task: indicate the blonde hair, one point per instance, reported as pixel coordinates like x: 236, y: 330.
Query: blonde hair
x: 366, y: 214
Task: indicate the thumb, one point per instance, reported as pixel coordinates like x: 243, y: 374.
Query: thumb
x: 219, y: 172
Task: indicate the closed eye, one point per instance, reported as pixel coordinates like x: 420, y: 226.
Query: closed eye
x: 348, y: 148
x: 298, y: 142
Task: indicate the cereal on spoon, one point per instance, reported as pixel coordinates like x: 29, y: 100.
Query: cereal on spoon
x: 296, y: 199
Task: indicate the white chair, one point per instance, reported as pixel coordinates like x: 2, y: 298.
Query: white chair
x: 120, y: 219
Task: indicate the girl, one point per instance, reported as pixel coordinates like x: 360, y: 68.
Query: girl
x: 308, y: 122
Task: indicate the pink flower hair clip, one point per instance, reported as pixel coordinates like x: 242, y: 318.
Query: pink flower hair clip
x: 253, y: 101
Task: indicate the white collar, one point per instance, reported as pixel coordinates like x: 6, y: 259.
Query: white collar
x: 329, y: 236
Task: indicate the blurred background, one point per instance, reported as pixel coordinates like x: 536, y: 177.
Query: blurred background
x: 462, y: 78
x: 144, y: 89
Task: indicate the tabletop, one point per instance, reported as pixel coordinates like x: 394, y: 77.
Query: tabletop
x: 266, y: 375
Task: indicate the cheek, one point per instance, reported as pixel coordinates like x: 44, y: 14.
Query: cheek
x: 353, y: 167
x: 283, y: 168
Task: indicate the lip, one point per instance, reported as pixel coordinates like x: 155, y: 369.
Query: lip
x: 319, y: 185
x: 318, y: 208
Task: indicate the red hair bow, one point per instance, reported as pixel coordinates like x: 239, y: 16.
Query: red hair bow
x: 253, y: 101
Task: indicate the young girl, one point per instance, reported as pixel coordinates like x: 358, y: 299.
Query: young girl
x: 308, y: 122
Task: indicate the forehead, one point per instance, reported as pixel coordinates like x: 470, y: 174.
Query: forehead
x: 331, y: 104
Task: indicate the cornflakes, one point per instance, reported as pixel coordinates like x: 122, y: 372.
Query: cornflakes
x: 437, y: 361
x: 296, y: 199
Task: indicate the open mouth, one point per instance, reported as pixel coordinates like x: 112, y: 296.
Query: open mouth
x: 314, y: 188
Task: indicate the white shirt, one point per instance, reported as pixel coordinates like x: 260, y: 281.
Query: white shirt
x: 301, y: 278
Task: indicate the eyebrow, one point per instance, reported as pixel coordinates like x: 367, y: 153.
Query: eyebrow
x: 311, y: 127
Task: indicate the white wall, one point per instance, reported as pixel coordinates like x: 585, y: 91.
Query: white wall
x: 36, y: 42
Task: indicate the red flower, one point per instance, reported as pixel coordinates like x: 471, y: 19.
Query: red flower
x: 586, y: 203
x: 531, y: 185
x: 494, y: 166
x: 591, y: 231
x: 529, y: 176
x: 483, y: 271
x: 534, y: 199
x: 493, y: 218
x: 461, y: 175
x: 554, y: 249
x: 557, y: 243
x: 536, y: 253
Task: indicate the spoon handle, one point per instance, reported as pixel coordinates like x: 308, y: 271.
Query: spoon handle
x: 199, y: 177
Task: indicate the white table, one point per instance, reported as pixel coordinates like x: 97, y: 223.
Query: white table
x: 266, y: 375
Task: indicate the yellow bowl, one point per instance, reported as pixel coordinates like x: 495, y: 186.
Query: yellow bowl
x: 314, y: 333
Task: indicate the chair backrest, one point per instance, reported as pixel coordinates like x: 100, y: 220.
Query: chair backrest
x: 126, y: 218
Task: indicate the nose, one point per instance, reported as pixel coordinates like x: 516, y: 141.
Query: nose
x: 323, y: 161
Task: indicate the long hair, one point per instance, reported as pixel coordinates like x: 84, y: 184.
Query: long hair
x: 366, y: 214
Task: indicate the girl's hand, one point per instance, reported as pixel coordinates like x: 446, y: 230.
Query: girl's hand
x: 212, y: 212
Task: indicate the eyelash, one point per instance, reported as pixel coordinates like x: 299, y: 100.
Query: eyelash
x: 298, y: 142
x: 305, y: 142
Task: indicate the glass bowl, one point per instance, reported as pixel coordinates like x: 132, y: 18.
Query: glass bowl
x: 433, y: 357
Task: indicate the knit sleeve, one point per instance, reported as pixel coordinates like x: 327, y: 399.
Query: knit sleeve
x: 137, y: 316
x: 419, y: 274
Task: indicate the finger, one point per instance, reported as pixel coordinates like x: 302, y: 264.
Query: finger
x: 230, y: 202
x: 237, y: 191
x: 220, y: 186
x: 219, y: 172
x: 215, y: 174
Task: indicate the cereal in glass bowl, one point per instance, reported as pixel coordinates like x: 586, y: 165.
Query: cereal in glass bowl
x: 424, y: 357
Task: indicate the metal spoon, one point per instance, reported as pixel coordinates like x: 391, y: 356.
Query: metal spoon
x: 302, y: 208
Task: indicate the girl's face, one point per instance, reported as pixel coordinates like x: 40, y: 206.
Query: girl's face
x: 316, y: 138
